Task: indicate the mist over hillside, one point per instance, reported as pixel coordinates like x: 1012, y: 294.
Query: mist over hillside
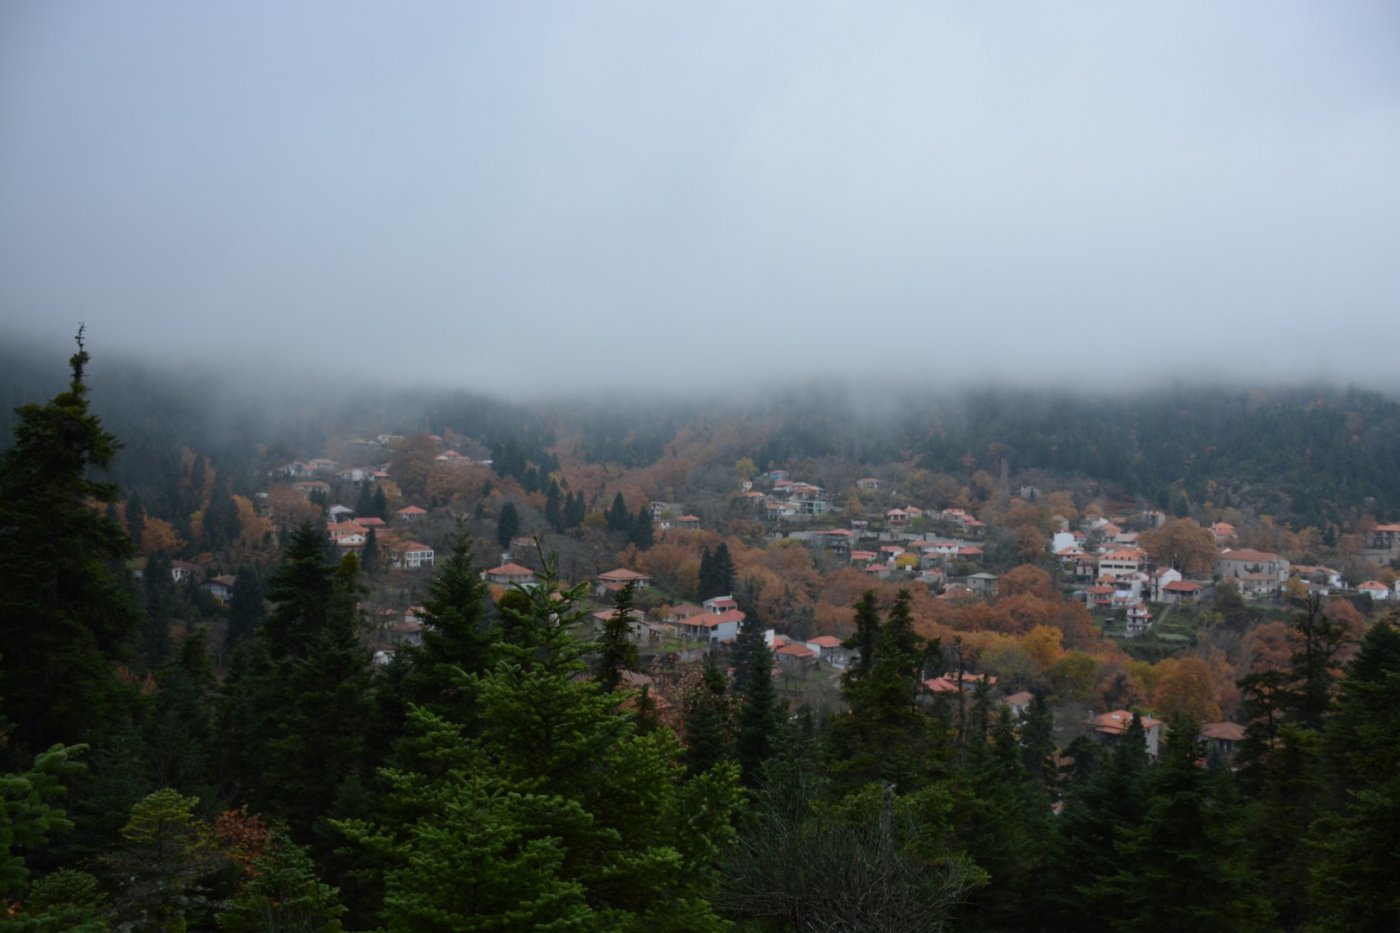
x: 1310, y: 454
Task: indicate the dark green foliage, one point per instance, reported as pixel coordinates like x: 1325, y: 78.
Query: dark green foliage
x: 616, y: 650
x: 65, y: 615
x: 1312, y: 668
x: 641, y: 533
x: 161, y: 870
x: 282, y: 893
x: 1003, y: 819
x: 1353, y: 884
x: 28, y: 816
x: 575, y: 510
x: 1097, y: 819
x: 1184, y: 866
x: 1295, y: 452
x: 371, y: 559
x: 862, y: 640
x: 178, y: 734
x: 507, y: 525
x: 364, y: 502
x: 221, y: 524
x: 876, y: 861
x: 885, y: 736
x: 153, y: 633
x: 554, y: 507
x: 559, y: 812
x: 66, y: 901
x: 246, y: 609
x: 716, y: 573
x: 135, y: 517
x: 457, y: 637
x: 1289, y: 800
x: 708, y: 719
x: 1037, y: 742
x: 297, y: 708
x: 619, y: 519
x: 757, y: 710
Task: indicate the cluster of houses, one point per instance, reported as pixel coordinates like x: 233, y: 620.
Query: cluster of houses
x: 397, y: 549
x: 787, y: 499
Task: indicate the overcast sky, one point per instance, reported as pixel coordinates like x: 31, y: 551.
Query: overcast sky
x: 501, y: 195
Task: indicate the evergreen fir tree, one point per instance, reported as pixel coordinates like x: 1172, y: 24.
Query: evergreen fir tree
x: 575, y: 510
x: 179, y: 732
x: 708, y: 724
x: 642, y: 534
x: 297, y: 709
x: 862, y: 640
x: 616, y: 652
x: 1313, y: 665
x: 553, y: 507
x: 65, y: 615
x: 617, y: 515
x: 507, y: 525
x: 371, y: 559
x: 1037, y: 741
x: 1353, y: 881
x: 364, y: 502
x: 246, y: 609
x: 884, y: 735
x: 135, y: 518
x: 723, y: 570
x: 558, y: 812
x: 705, y: 579
x: 1094, y: 825
x: 381, y: 504
x: 1184, y: 866
x: 757, y: 712
x: 221, y: 523
x: 153, y: 632
x: 281, y: 892
x: 457, y: 636
x: 1003, y: 818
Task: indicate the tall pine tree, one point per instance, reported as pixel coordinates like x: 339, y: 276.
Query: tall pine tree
x: 66, y: 617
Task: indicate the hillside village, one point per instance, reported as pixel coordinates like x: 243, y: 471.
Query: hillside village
x: 1106, y: 580
x: 1019, y: 665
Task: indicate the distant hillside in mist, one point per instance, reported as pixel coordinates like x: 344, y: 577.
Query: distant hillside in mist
x: 1309, y: 455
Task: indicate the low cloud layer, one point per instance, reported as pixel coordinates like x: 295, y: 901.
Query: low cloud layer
x: 551, y: 196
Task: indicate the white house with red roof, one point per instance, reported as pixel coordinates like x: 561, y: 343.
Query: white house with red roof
x: 1375, y: 589
x: 718, y: 620
x: 1139, y: 619
x: 1255, y: 572
x: 411, y: 513
x: 508, y: 574
x: 1112, y: 726
x: 615, y: 580
x: 794, y: 655
x: 1160, y: 578
x: 410, y: 555
x: 221, y: 587
x: 1386, y: 537
x: 1121, y: 562
x: 829, y: 648
x: 1179, y: 592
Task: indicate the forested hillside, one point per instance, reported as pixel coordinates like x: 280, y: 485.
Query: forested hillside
x: 184, y: 748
